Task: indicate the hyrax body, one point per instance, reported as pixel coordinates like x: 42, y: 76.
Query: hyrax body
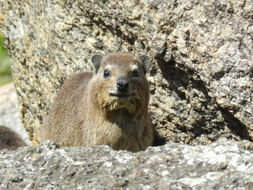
x: 9, y: 139
x: 109, y: 107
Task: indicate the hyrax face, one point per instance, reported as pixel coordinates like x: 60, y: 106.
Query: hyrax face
x: 121, y: 82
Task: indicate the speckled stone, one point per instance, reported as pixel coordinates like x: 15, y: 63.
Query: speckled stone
x: 223, y: 165
x: 201, y: 78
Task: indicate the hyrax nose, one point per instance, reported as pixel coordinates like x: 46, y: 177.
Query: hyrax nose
x: 122, y: 83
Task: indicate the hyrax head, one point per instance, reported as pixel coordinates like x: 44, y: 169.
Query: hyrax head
x: 121, y: 82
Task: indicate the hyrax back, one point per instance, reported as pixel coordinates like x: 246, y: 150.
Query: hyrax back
x: 9, y: 139
x: 109, y: 107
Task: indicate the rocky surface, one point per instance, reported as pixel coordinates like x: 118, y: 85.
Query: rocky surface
x: 223, y: 165
x: 9, y: 112
x: 201, y: 78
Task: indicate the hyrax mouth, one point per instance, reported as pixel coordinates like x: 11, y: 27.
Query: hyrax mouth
x: 119, y: 95
x: 125, y: 101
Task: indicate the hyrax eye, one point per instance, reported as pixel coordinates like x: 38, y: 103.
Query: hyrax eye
x: 107, y: 73
x: 135, y: 73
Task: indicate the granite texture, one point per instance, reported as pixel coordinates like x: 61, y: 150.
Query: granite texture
x: 202, y: 73
x: 223, y: 165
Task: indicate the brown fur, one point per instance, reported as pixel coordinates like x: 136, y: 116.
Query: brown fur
x: 86, y: 114
x: 9, y: 139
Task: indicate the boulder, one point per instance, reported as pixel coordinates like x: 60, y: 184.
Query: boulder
x: 223, y: 165
x: 202, y: 51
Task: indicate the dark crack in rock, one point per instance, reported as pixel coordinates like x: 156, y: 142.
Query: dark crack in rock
x: 201, y: 78
x: 223, y: 165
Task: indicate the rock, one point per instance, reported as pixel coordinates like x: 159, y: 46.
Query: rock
x: 201, y: 78
x: 222, y: 165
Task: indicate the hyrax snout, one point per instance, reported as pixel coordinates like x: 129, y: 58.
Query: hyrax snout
x: 107, y: 107
x: 123, y: 86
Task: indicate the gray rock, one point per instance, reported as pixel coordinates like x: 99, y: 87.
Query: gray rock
x: 201, y: 79
x: 223, y: 165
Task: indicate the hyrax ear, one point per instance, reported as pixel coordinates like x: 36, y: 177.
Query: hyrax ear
x: 146, y: 63
x: 96, y: 60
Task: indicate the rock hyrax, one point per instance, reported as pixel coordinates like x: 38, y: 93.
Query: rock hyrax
x: 108, y: 107
x: 9, y: 139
